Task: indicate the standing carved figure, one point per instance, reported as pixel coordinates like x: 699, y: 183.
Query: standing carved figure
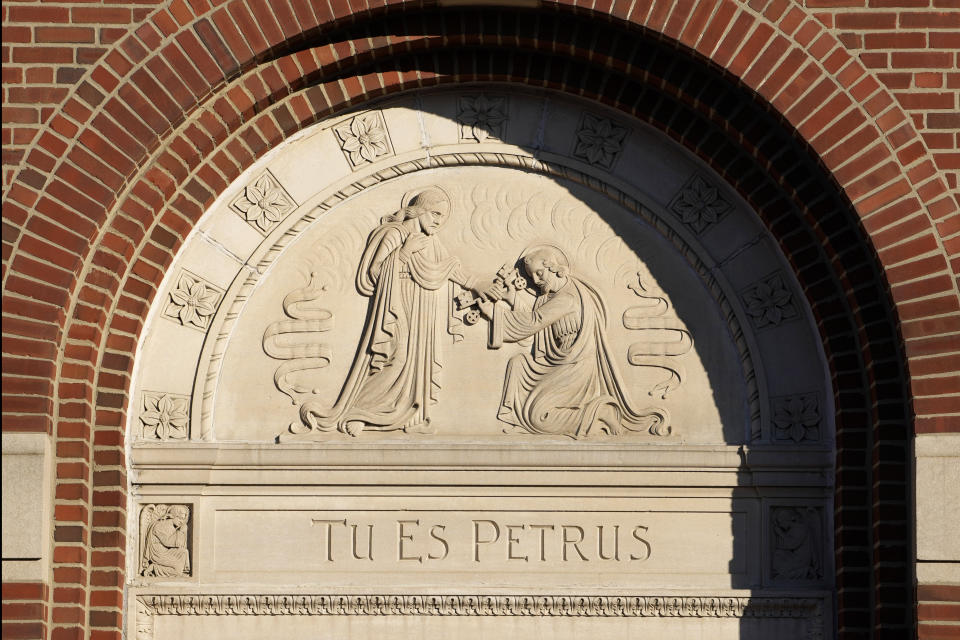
x: 163, y: 541
x: 568, y: 385
x: 394, y: 378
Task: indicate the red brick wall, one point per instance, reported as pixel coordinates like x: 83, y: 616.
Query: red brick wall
x: 105, y: 182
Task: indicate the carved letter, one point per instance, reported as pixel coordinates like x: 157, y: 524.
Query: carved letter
x: 330, y: 524
x: 641, y: 541
x: 369, y: 543
x: 543, y: 528
x: 511, y: 540
x: 401, y: 536
x: 435, y: 536
x: 616, y: 542
x: 476, y: 537
x: 567, y: 541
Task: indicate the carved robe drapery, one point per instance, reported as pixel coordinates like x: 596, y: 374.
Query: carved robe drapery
x: 569, y: 381
x: 395, y: 377
x: 165, y: 550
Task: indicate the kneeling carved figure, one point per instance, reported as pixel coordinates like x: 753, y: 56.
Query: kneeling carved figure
x: 568, y: 384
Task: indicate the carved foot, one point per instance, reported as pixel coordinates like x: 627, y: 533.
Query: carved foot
x: 514, y: 430
x: 306, y: 436
x: 353, y: 428
x: 421, y: 427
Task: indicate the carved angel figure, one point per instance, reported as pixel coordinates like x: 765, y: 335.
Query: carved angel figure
x: 796, y: 553
x: 394, y: 378
x: 163, y: 541
x: 568, y: 384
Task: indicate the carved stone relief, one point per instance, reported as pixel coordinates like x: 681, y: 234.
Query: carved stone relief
x: 566, y: 383
x: 797, y: 549
x: 482, y: 117
x: 165, y: 541
x: 264, y: 203
x: 796, y: 418
x: 769, y: 302
x: 164, y: 416
x: 699, y: 205
x: 599, y: 141
x: 364, y: 138
x: 193, y: 301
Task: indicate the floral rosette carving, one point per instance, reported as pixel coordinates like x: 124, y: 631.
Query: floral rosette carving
x: 164, y: 417
x: 193, y: 301
x: 264, y: 203
x: 599, y: 141
x: 482, y: 117
x: 364, y: 138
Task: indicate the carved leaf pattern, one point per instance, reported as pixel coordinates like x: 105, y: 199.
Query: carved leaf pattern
x: 482, y: 117
x: 699, y: 204
x: 769, y: 302
x: 164, y: 417
x: 364, y: 138
x: 193, y: 301
x: 264, y: 203
x: 797, y: 418
x: 673, y: 606
x: 599, y: 141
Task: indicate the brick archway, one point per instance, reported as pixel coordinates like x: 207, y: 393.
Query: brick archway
x: 180, y: 108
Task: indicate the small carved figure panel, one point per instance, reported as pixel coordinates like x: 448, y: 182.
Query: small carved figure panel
x: 796, y: 540
x: 165, y: 541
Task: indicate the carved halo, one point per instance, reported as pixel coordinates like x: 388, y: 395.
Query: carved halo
x: 413, y: 193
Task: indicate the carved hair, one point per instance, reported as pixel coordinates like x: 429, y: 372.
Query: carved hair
x: 553, y: 257
x: 427, y: 199
x: 178, y: 508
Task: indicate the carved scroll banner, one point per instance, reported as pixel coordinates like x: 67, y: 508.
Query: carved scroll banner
x: 295, y: 340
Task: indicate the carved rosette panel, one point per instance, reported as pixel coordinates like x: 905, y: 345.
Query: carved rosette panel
x: 699, y: 205
x: 482, y: 117
x: 796, y: 418
x: 769, y: 302
x: 264, y: 203
x: 364, y: 139
x: 165, y: 541
x: 796, y: 544
x: 193, y: 301
x: 599, y: 141
x: 164, y: 416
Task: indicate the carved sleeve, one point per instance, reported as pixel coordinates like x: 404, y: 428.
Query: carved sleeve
x: 391, y: 242
x: 513, y: 326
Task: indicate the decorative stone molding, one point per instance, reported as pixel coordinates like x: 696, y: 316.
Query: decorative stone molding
x: 618, y: 606
x: 164, y: 416
x: 796, y: 418
x: 482, y: 117
x: 193, y: 301
x: 164, y: 541
x: 699, y: 204
x: 769, y: 301
x: 264, y: 203
x: 363, y: 138
x: 599, y: 141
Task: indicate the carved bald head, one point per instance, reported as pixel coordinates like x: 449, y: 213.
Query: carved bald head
x: 547, y: 267
x: 431, y: 207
